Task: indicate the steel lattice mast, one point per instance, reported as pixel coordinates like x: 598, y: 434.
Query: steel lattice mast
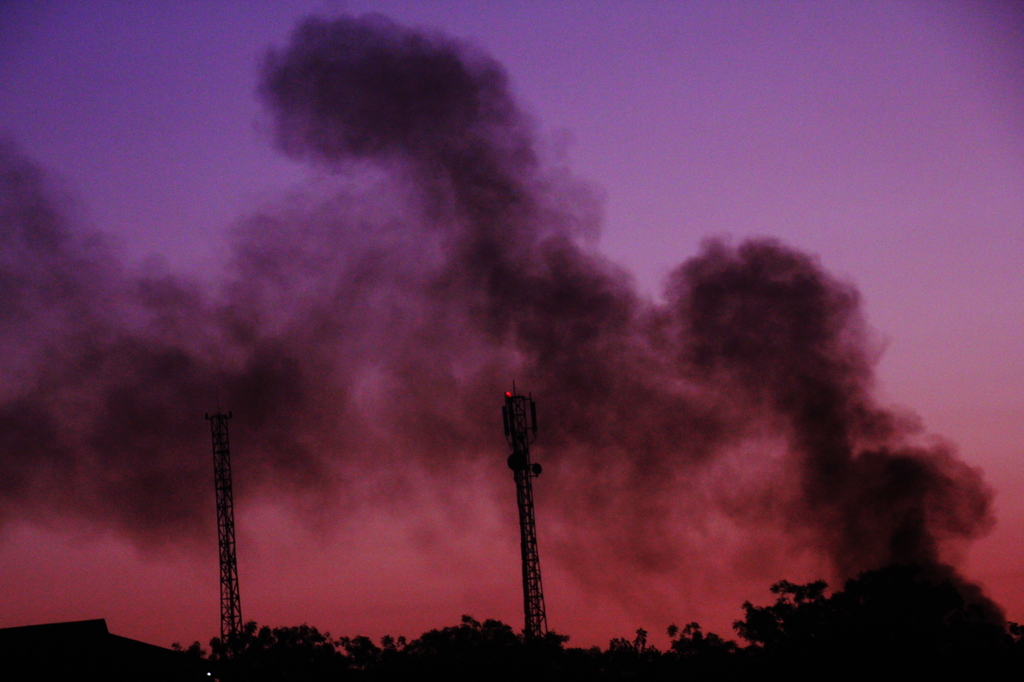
x: 230, y: 605
x: 520, y: 416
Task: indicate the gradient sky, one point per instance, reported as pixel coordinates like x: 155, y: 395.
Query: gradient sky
x: 885, y: 138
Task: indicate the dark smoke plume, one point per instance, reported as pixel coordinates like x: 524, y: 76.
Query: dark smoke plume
x: 374, y: 328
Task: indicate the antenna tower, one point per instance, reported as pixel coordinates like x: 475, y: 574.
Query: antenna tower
x: 230, y: 605
x: 520, y: 417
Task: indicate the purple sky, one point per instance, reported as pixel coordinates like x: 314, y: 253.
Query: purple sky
x: 885, y: 138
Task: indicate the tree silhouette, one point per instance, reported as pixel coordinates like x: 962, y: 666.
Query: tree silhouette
x: 899, y: 618
x: 264, y: 654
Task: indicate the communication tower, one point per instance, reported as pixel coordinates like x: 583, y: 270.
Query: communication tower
x: 520, y: 417
x: 230, y: 605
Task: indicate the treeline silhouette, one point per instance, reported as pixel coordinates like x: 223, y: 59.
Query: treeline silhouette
x: 896, y: 620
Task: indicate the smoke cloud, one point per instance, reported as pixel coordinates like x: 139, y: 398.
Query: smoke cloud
x: 374, y: 327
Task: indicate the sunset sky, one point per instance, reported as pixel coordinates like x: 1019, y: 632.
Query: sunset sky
x: 884, y: 139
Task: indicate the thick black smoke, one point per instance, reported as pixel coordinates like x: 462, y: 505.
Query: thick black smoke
x: 375, y: 329
x: 107, y: 375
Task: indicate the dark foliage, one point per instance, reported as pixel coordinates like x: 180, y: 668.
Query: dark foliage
x: 262, y: 654
x: 900, y: 619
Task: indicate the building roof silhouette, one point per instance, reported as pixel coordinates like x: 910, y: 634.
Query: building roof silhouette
x: 86, y: 648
